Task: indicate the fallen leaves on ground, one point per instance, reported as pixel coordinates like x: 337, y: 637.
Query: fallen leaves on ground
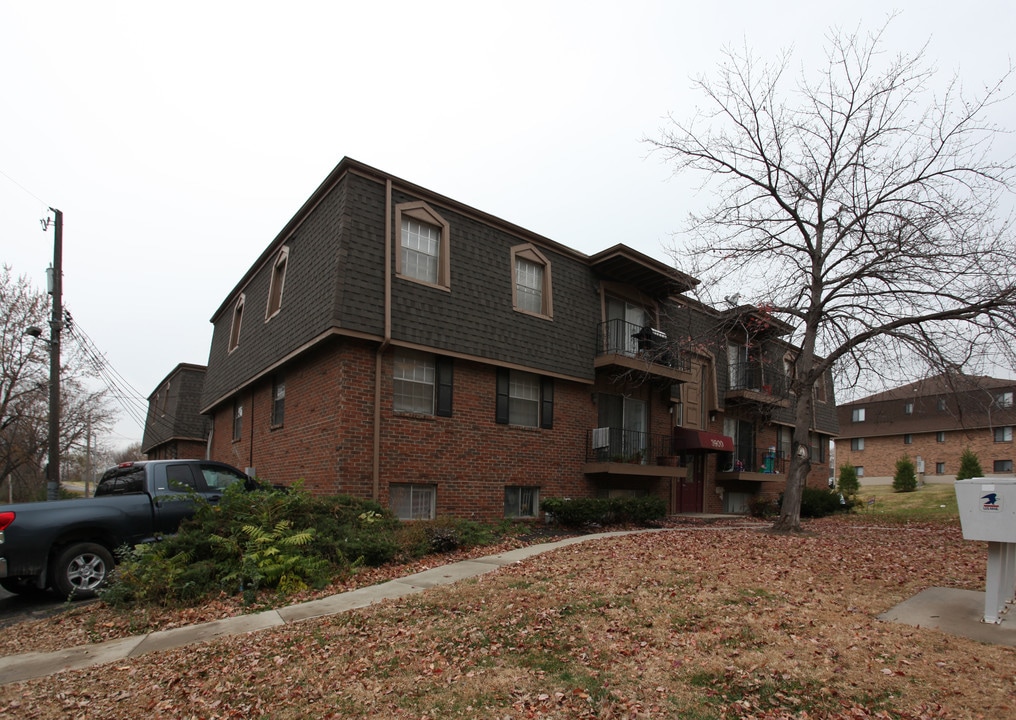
x: 703, y: 621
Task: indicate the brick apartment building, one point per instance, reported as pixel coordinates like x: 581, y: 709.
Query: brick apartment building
x: 932, y: 422
x: 174, y: 426
x: 392, y: 343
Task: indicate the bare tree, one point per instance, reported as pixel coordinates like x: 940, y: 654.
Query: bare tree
x: 860, y: 208
x: 24, y: 389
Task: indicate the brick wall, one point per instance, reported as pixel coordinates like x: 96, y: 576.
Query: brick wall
x: 879, y: 456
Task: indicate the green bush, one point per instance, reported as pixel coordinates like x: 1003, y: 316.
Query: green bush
x: 255, y: 540
x: 970, y: 466
x: 848, y: 483
x: 444, y: 534
x: 763, y: 507
x: 905, y: 478
x: 819, y: 502
x: 579, y: 512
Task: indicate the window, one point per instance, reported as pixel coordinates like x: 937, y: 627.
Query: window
x: 234, y: 330
x: 524, y: 399
x: 413, y: 502
x: 940, y: 436
x: 1003, y: 434
x: 940, y: 468
x: 908, y: 439
x: 819, y: 445
x: 941, y: 404
x: 859, y: 469
x: 1002, y: 466
x: 531, y: 291
x: 218, y: 477
x: 857, y: 443
x: 422, y: 383
x: 908, y: 408
x: 1004, y: 399
x: 857, y: 415
x: 521, y: 502
x: 278, y: 401
x: 277, y: 283
x: 180, y: 478
x: 237, y: 421
x: 423, y: 244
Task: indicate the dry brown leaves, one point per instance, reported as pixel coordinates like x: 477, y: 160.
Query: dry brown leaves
x: 699, y: 622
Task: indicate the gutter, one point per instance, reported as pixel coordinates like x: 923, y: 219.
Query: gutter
x: 386, y: 341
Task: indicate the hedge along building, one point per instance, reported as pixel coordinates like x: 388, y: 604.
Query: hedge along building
x: 392, y: 343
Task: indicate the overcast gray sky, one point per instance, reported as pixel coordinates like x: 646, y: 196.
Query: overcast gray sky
x: 178, y: 138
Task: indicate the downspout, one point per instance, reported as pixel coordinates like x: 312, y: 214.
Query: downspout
x: 385, y: 343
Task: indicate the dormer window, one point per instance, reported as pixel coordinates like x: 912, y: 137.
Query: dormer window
x: 278, y: 283
x: 531, y: 290
x: 234, y: 330
x: 423, y: 245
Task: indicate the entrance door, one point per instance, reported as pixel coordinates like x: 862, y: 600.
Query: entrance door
x: 688, y: 495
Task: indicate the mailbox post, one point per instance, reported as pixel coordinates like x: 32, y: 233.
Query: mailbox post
x: 988, y: 513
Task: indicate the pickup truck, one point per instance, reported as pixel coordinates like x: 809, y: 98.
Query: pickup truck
x: 69, y: 545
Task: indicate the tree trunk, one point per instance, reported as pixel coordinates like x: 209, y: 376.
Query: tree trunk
x: 800, y: 462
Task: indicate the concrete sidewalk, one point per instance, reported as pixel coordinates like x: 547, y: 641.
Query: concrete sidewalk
x: 15, y: 668
x: 956, y: 612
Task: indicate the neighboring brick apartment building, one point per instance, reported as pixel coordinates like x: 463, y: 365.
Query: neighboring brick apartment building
x: 930, y: 421
x: 392, y: 343
x: 174, y: 426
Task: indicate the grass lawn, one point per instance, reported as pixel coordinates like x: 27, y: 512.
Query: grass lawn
x: 935, y: 503
x: 704, y: 621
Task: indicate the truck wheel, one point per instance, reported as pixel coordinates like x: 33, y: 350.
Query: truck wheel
x: 81, y: 569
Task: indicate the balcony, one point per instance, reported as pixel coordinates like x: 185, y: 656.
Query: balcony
x: 639, y: 348
x: 753, y: 382
x: 616, y: 451
x: 760, y: 464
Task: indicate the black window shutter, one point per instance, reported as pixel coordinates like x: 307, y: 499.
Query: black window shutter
x: 546, y: 403
x: 501, y: 412
x: 444, y: 386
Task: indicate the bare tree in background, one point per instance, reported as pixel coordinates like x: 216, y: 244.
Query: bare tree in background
x: 860, y: 207
x: 24, y: 391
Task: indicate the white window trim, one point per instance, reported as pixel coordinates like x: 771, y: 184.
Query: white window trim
x: 432, y: 489
x: 281, y: 259
x: 422, y: 212
x: 431, y: 364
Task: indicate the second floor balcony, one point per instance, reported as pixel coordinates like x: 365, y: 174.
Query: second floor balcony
x: 640, y: 348
x: 756, y: 382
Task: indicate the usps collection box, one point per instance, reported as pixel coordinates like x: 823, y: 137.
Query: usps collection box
x: 988, y: 508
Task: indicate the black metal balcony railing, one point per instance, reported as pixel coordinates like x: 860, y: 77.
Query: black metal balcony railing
x: 756, y: 377
x: 757, y: 460
x: 609, y: 444
x: 620, y: 337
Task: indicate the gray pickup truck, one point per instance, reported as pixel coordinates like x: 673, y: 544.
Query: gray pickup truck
x: 69, y: 545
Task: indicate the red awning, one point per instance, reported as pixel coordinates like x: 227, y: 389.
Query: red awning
x: 686, y: 440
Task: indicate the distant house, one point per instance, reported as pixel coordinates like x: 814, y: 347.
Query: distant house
x: 174, y: 426
x: 395, y: 344
x: 930, y: 421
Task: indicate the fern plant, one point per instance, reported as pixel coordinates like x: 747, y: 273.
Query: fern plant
x: 271, y: 558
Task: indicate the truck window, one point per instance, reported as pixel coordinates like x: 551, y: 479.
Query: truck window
x: 180, y: 478
x: 122, y: 483
x: 219, y: 478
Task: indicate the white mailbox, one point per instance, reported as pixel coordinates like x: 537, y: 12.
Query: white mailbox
x: 988, y: 512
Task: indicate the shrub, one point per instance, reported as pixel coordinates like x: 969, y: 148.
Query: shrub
x: 970, y: 466
x: 441, y: 535
x: 763, y: 507
x: 905, y: 478
x: 819, y: 502
x: 579, y: 512
x: 265, y: 538
x: 848, y: 484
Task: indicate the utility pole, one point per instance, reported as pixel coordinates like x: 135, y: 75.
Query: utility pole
x: 55, y: 325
